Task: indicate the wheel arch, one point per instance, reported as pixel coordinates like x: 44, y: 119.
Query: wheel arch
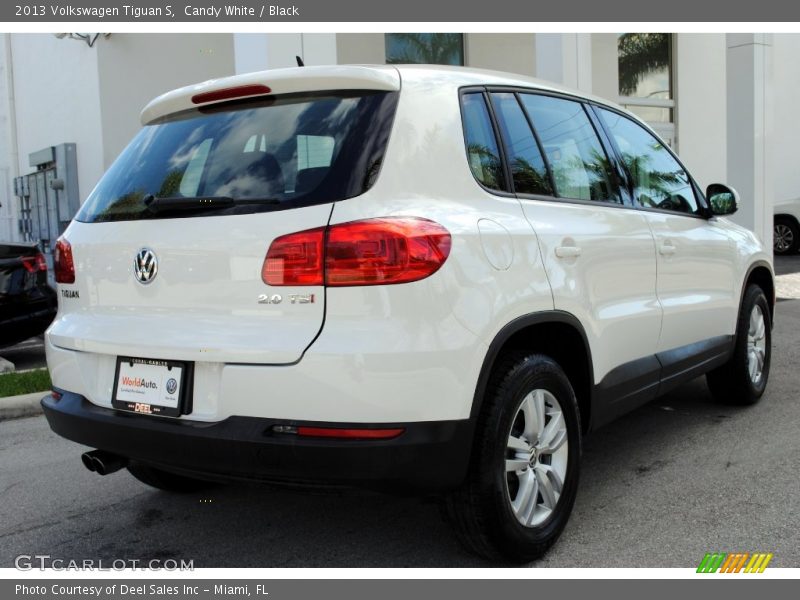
x: 760, y: 274
x: 788, y: 216
x: 557, y: 334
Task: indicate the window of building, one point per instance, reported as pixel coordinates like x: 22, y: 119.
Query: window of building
x: 425, y: 48
x: 645, y: 79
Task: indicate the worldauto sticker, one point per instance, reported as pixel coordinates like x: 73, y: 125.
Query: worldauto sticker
x: 140, y: 383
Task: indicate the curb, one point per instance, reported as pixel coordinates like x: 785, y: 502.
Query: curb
x: 17, y: 407
x: 787, y: 287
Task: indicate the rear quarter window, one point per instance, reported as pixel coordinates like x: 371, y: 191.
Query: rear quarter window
x: 483, y: 153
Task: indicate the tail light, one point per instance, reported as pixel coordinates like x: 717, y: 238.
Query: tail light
x: 64, y: 264
x: 370, y: 252
x: 295, y: 259
x: 34, y: 263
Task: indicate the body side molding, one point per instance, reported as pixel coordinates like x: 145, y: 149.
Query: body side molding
x: 632, y: 384
x: 627, y: 386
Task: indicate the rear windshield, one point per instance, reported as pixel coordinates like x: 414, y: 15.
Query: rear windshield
x: 297, y: 150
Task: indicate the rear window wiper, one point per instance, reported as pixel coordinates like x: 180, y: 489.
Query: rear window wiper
x: 201, y: 203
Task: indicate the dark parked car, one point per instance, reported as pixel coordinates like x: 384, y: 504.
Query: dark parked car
x: 27, y: 303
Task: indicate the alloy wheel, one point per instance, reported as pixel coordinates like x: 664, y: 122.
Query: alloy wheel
x: 536, y: 457
x: 783, y: 238
x: 756, y: 344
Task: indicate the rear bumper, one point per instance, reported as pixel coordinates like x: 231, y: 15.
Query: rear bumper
x: 427, y: 456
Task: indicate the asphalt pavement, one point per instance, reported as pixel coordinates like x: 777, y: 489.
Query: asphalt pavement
x: 786, y: 265
x: 659, y: 488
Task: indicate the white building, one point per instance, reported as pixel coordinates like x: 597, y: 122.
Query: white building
x: 725, y: 102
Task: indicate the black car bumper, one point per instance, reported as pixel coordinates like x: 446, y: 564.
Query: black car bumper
x: 426, y: 456
x: 21, y: 327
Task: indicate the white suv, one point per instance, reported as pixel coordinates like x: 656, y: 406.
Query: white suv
x: 416, y: 277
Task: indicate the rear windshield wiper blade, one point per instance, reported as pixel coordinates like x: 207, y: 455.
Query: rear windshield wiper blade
x: 201, y: 203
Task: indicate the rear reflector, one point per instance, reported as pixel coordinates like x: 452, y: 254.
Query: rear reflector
x: 370, y: 252
x: 34, y: 263
x: 240, y: 91
x: 340, y: 433
x: 64, y: 265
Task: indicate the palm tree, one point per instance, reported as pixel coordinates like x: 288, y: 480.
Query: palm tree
x: 640, y: 54
x: 528, y: 179
x: 424, y: 48
x: 491, y: 173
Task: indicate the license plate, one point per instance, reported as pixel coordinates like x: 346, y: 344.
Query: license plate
x: 151, y: 387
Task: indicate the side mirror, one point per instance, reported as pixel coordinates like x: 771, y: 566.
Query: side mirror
x: 722, y: 200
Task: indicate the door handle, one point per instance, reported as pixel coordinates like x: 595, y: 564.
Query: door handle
x: 568, y: 251
x: 666, y: 248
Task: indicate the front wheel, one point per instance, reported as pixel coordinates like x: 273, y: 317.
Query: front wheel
x: 523, y: 475
x: 743, y: 379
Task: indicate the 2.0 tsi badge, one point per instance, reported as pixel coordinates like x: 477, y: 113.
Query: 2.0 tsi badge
x: 145, y: 266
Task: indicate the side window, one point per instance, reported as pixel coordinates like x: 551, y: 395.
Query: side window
x: 661, y: 182
x: 314, y: 151
x: 581, y: 169
x: 482, y: 151
x: 190, y: 182
x: 314, y: 157
x: 528, y: 168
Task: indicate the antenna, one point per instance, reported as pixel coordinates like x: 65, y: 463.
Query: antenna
x: 300, y: 62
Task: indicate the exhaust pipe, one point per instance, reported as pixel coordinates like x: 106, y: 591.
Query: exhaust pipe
x: 102, y: 462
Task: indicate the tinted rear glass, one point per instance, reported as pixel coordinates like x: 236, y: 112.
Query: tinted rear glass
x: 297, y: 149
x: 482, y: 150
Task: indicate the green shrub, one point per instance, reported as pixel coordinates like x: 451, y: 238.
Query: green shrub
x: 27, y: 382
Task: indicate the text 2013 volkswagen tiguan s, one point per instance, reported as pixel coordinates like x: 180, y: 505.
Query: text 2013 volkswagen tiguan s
x: 401, y: 277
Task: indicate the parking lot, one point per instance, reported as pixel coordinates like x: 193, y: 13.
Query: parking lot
x: 662, y: 486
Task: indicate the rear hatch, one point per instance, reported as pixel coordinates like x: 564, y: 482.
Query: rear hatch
x: 168, y: 249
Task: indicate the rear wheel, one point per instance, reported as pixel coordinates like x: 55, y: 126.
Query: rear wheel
x: 164, y: 480
x: 786, y: 236
x: 523, y: 475
x: 743, y: 379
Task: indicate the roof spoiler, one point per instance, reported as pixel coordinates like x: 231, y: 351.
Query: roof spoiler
x: 274, y: 81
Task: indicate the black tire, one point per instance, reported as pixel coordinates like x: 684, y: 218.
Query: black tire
x: 732, y: 383
x: 480, y: 511
x: 786, y: 236
x: 164, y: 480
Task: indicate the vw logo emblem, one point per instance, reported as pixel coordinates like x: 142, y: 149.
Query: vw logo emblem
x: 145, y: 266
